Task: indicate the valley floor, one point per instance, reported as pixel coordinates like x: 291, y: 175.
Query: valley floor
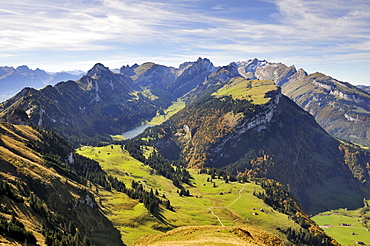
x: 346, y: 226
x: 213, y: 203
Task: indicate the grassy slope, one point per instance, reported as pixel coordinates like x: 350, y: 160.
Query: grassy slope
x: 331, y: 223
x: 240, y: 88
x: 175, y: 107
x: 19, y: 162
x: 212, y: 235
x: 132, y: 219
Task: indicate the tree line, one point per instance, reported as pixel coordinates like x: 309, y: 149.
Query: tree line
x: 279, y: 197
x: 172, y: 169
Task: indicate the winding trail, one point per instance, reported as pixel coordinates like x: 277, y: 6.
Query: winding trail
x: 183, y: 200
x: 211, y: 208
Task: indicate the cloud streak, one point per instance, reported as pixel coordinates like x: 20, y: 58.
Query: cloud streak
x: 267, y: 28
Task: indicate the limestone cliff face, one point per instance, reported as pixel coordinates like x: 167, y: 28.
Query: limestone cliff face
x: 340, y: 108
x: 253, y: 122
x: 277, y: 72
x: 191, y: 75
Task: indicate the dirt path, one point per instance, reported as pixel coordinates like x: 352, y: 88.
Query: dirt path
x: 211, y: 208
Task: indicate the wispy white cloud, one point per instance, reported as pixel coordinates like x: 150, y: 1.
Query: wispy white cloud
x: 184, y: 29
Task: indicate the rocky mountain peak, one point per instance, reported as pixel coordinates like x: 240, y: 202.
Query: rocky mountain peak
x: 248, y: 68
x: 22, y: 69
x: 127, y: 70
x: 98, y: 69
x: 277, y: 72
x: 206, y: 63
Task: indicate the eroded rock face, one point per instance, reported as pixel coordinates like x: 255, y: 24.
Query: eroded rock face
x: 256, y: 123
x: 340, y: 108
x: 277, y: 72
x: 18, y: 117
x: 191, y: 75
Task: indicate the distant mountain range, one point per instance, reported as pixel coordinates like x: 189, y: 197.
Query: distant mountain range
x: 12, y: 80
x: 364, y: 87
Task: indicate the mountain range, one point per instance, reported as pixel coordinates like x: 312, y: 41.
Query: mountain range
x: 249, y: 120
x: 339, y: 107
x: 12, y: 80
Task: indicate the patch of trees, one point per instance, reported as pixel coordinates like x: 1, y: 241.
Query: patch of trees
x: 55, y: 161
x: 52, y: 143
x: 357, y: 160
x: 304, y: 237
x: 69, y: 237
x: 7, y: 190
x: 38, y: 205
x: 150, y: 200
x: 133, y: 147
x: 184, y: 192
x: 217, y: 173
x: 209, y: 121
x: 278, y: 196
x: 174, y: 170
x: 15, y: 229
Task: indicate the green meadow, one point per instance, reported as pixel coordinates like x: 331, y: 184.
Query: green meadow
x: 344, y: 225
x: 211, y: 203
x: 240, y: 88
x: 175, y: 107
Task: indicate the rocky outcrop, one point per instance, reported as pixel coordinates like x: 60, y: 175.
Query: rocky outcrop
x: 153, y: 75
x: 190, y: 75
x: 339, y: 107
x: 258, y: 122
x: 277, y: 72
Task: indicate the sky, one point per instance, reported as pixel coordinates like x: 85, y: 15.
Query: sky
x: 332, y: 37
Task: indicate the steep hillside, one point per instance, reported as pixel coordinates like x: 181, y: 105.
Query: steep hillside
x: 189, y: 75
x: 248, y: 126
x: 44, y: 196
x: 339, y: 107
x: 101, y: 103
x: 154, y: 79
x: 342, y: 109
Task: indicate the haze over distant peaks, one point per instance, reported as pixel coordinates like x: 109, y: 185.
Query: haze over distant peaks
x: 13, y: 80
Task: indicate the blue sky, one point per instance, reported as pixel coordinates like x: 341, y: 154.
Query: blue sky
x: 332, y: 37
